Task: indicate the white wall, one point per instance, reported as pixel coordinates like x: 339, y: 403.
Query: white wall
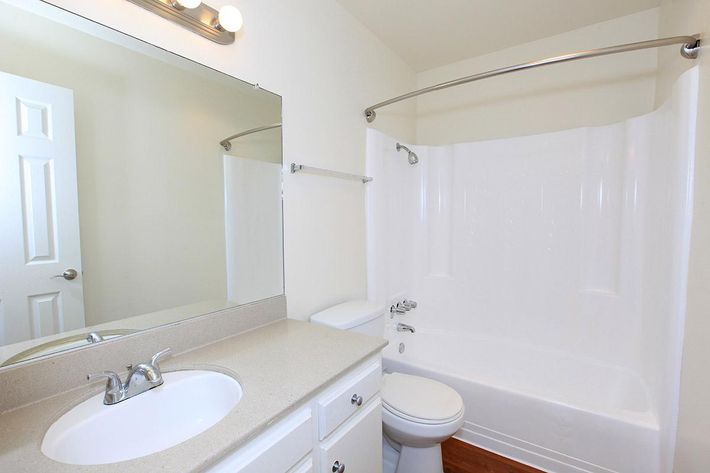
x: 682, y: 17
x: 586, y: 93
x: 567, y: 240
x: 328, y: 68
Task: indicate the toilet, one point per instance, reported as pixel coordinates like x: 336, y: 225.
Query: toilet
x: 417, y: 413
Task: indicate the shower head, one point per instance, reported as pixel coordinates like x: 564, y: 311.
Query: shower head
x: 411, y: 155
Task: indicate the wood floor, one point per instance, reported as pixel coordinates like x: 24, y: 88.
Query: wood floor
x: 461, y: 457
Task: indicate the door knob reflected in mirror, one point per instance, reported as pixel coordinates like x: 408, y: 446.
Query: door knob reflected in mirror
x: 69, y: 275
x: 338, y: 467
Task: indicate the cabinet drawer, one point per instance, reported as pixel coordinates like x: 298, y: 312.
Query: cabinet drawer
x: 335, y: 406
x: 304, y: 467
x: 276, y: 450
x: 357, y: 444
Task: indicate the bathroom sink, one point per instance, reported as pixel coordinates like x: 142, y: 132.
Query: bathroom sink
x: 186, y: 404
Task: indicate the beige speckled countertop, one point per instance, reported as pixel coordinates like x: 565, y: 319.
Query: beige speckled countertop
x: 279, y: 367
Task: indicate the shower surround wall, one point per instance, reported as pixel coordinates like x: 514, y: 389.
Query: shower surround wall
x: 570, y: 245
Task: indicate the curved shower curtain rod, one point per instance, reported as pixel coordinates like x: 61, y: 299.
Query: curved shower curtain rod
x: 226, y: 142
x: 689, y: 50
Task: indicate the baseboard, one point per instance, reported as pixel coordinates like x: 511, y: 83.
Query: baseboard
x: 525, y: 452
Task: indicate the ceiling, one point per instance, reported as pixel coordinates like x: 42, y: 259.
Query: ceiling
x: 431, y: 33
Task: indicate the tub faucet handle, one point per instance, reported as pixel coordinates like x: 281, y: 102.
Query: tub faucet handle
x: 397, y: 309
x: 409, y: 304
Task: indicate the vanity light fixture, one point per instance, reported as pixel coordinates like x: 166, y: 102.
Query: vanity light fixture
x: 229, y: 19
x: 196, y: 16
x: 181, y: 4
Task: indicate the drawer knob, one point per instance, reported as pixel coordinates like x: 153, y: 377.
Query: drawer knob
x: 338, y: 467
x: 356, y: 400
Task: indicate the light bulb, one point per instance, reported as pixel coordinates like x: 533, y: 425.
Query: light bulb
x: 230, y: 18
x: 189, y: 3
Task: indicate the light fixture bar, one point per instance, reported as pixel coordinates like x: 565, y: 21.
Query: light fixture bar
x: 198, y: 20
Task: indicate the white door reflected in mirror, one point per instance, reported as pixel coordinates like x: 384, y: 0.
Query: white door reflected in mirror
x: 40, y: 213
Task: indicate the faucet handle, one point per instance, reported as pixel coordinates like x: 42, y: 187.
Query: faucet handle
x: 158, y: 356
x: 397, y: 309
x: 113, y: 381
x: 115, y: 390
x: 409, y: 304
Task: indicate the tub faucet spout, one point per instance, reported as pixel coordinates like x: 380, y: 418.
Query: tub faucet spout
x: 405, y: 328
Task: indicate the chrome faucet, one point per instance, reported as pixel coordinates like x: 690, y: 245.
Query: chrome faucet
x: 94, y: 337
x: 402, y: 307
x: 397, y: 309
x: 141, y: 378
x: 408, y: 305
x: 405, y: 328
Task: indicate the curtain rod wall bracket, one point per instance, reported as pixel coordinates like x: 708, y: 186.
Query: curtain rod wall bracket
x: 690, y: 45
x: 690, y: 50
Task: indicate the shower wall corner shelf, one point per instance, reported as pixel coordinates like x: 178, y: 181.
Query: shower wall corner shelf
x: 327, y: 172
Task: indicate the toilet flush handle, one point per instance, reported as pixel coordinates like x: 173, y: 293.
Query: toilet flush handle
x: 338, y: 467
x: 356, y: 400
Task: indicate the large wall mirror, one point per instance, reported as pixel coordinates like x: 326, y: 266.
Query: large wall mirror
x: 119, y: 208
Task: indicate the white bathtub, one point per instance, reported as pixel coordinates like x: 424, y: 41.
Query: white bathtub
x: 546, y: 409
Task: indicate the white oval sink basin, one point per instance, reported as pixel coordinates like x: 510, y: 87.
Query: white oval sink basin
x: 186, y: 404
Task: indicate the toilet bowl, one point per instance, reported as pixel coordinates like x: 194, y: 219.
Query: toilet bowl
x: 417, y: 413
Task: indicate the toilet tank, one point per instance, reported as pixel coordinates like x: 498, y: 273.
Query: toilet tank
x: 359, y: 316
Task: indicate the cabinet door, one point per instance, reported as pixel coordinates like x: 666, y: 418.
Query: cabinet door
x: 275, y: 451
x: 304, y: 467
x: 357, y: 444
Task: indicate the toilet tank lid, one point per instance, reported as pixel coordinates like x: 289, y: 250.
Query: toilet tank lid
x: 349, y: 314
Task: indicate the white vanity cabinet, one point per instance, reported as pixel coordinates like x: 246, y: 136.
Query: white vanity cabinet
x: 337, y: 431
x: 357, y: 445
x: 306, y: 466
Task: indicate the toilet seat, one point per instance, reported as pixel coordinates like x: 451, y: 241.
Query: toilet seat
x: 420, y: 400
x: 417, y: 420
